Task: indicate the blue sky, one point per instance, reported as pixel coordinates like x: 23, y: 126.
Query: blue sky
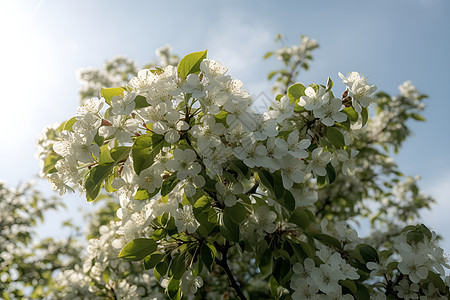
x: 45, y: 41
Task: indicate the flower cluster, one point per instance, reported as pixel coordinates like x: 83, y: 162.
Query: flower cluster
x: 198, y: 173
x: 112, y: 277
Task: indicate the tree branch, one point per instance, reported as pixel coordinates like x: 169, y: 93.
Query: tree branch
x: 224, y: 264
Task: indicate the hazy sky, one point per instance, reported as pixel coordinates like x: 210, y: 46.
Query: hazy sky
x: 45, y: 42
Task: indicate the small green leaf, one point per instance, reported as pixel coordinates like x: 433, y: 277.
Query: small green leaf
x: 50, y: 162
x: 295, y: 91
x: 350, y: 284
x: 362, y: 292
x: 267, y: 180
x: 307, y: 249
x: 281, y: 270
x: 365, y: 116
x: 177, y: 267
x: 141, y: 102
x: 329, y: 84
x: 351, y: 114
x: 160, y: 270
x: 207, y: 256
x: 99, y: 173
x: 190, y: 64
x: 328, y: 240
x: 368, y: 253
x: 95, y: 180
x: 145, y: 149
x: 271, y: 74
x: 414, y: 237
x: 69, y: 124
x: 335, y: 137
x: 150, y: 261
x: 241, y: 168
x: 268, y: 54
x: 169, y: 184
x: 275, y: 289
x: 109, y: 93
x: 119, y: 154
x: 266, y: 263
x: 417, y: 117
x: 229, y: 229
x: 300, y: 217
x: 159, y: 234
x: 237, y: 212
x: 138, y: 249
x: 105, y: 155
x: 437, y: 281
x: 173, y: 289
x: 143, y: 194
x: 331, y: 173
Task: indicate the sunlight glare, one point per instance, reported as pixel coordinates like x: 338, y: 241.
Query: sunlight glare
x: 23, y: 55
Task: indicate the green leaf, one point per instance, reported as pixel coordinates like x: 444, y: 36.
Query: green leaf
x: 177, y: 267
x: 368, y: 253
x: 229, y: 229
x: 295, y: 91
x: 331, y: 173
x: 107, y: 185
x: 159, y: 234
x: 275, y: 289
x: 94, y: 181
x: 414, y: 236
x: 145, y: 149
x: 300, y: 254
x: 265, y: 263
x: 119, y: 154
x: 207, y: 256
x: 268, y: 54
x: 417, y: 117
x: 335, y: 137
x: 351, y: 114
x: 329, y: 84
x: 143, y: 194
x: 150, y: 261
x: 190, y: 64
x: 237, y: 212
x: 274, y: 183
x: 271, y: 74
x: 328, y: 240
x: 160, y: 270
x: 350, y: 284
x: 173, y: 289
x: 105, y: 155
x: 99, y: 173
x: 241, y: 168
x: 307, y: 249
x: 98, y: 139
x: 138, y: 249
x: 109, y: 93
x: 141, y: 102
x: 281, y: 270
x: 365, y: 115
x: 437, y: 281
x: 50, y: 162
x: 300, y: 217
x: 169, y: 184
x: 267, y: 180
x: 69, y: 124
x: 362, y: 292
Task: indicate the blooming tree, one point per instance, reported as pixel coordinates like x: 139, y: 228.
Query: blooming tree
x: 27, y: 264
x: 271, y: 199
